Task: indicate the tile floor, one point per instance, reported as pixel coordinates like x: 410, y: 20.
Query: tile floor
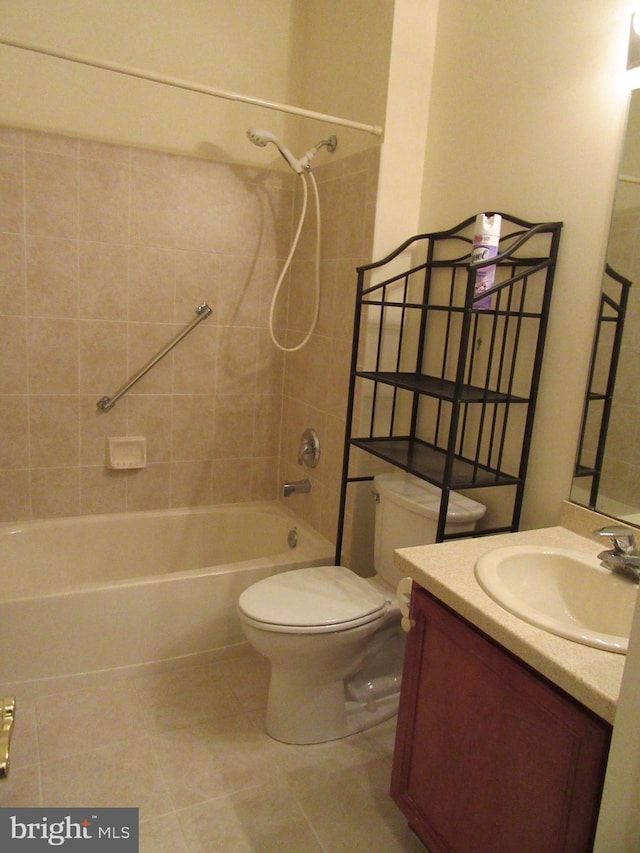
x: 186, y: 746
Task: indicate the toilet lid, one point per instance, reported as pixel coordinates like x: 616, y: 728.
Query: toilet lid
x: 318, y: 597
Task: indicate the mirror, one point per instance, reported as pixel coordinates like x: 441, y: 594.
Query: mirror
x: 608, y: 461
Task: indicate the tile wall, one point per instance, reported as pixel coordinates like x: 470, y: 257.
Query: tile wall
x: 105, y: 252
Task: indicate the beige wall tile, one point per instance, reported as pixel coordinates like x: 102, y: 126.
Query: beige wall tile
x: 192, y: 427
x: 53, y: 356
x: 103, y: 281
x: 51, y: 143
x: 122, y: 246
x: 11, y: 136
x: 149, y: 488
x: 96, y: 426
x: 151, y: 416
x: 54, y: 439
x: 195, y: 361
x: 102, y: 357
x: 191, y: 483
x: 15, y: 495
x: 239, y: 292
x: 236, y: 361
x: 102, y: 490
x: 103, y: 201
x: 52, y: 277
x: 13, y: 355
x: 196, y: 282
x: 55, y: 492
x: 202, y: 209
x: 13, y: 292
x: 234, y: 427
x: 51, y: 192
x: 14, y: 429
x: 154, y: 200
x: 11, y: 190
x: 152, y: 284
x: 231, y: 480
x: 265, y: 481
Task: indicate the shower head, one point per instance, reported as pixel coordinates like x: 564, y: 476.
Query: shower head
x: 263, y: 137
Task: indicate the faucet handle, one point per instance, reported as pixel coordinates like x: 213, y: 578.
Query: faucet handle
x: 309, y: 450
x: 622, y: 538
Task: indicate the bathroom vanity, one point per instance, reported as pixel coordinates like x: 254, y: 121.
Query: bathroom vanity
x: 503, y: 729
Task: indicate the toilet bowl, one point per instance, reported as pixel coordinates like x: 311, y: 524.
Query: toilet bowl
x: 333, y: 638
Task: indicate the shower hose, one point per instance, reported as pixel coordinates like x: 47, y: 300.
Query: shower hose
x: 287, y: 263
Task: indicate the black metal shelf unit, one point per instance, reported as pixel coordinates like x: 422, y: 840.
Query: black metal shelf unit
x: 442, y: 386
x: 602, y: 379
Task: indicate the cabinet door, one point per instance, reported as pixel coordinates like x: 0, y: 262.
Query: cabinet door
x: 490, y: 757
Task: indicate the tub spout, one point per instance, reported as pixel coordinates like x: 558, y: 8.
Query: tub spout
x: 7, y: 718
x: 301, y: 487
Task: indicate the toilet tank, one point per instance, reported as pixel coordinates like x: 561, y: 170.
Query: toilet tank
x: 407, y: 511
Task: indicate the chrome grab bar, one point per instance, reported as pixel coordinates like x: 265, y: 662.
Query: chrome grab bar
x: 7, y: 719
x: 106, y: 403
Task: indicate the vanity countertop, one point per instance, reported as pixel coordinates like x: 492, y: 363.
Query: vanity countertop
x: 446, y: 570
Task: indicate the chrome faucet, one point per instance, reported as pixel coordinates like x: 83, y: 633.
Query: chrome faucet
x: 624, y: 557
x: 301, y: 487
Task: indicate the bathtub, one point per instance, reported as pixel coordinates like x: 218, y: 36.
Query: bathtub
x: 98, y: 593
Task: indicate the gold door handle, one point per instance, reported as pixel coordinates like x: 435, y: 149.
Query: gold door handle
x: 7, y: 719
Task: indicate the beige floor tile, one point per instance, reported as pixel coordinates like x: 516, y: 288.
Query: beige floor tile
x: 214, y: 759
x: 127, y: 776
x: 183, y: 698
x: 248, y: 677
x: 80, y: 720
x: 21, y: 788
x: 257, y: 820
x: 162, y: 835
x: 346, y: 752
x: 199, y: 766
x: 350, y: 808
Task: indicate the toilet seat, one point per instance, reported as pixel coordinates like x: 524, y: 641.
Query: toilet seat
x: 314, y: 600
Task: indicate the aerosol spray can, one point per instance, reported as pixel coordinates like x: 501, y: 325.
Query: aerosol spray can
x: 485, y: 245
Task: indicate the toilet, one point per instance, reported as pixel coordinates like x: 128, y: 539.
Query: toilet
x: 334, y: 638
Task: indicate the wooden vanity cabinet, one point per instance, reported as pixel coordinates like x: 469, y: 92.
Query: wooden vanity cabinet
x: 490, y: 757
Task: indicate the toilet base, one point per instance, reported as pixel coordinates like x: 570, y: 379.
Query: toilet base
x: 306, y: 712
x: 334, y: 720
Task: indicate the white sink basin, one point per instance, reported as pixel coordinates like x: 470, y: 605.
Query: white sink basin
x: 565, y: 592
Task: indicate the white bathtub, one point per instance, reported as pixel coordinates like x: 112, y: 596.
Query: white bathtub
x: 95, y: 593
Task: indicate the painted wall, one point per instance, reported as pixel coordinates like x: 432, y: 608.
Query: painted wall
x: 286, y: 51
x: 526, y: 116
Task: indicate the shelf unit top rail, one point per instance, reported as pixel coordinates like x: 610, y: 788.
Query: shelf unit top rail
x: 531, y: 266
x: 521, y: 237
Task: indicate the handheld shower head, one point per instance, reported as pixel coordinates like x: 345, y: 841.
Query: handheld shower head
x: 260, y: 137
x: 263, y: 137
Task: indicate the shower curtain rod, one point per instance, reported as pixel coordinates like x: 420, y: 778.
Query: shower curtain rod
x: 374, y: 129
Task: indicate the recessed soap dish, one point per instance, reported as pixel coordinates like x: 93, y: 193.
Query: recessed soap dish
x: 128, y: 451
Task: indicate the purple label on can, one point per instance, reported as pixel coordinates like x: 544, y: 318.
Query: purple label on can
x: 485, y: 276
